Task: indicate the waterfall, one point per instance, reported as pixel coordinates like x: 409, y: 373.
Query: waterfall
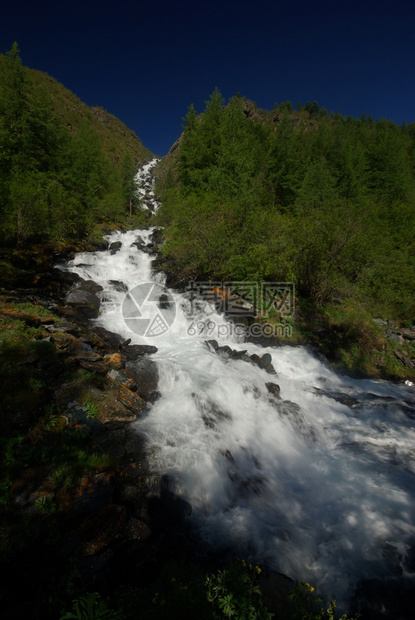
x: 316, y: 483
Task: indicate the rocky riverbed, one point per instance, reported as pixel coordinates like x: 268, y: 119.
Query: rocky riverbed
x: 77, y: 495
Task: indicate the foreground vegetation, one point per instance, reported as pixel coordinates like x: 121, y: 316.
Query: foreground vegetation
x: 45, y: 465
x: 63, y: 166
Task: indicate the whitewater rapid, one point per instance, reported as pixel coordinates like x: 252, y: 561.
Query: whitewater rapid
x: 318, y: 485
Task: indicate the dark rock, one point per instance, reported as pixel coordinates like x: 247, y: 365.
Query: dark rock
x: 112, y: 442
x: 340, y: 397
x: 273, y: 388
x: 119, y: 286
x: 131, y: 400
x: 140, y: 245
x: 111, y: 340
x: 237, y: 355
x: 136, y: 530
x: 165, y: 302
x: 224, y: 351
x: 79, y: 346
x: 99, y: 367
x: 212, y: 345
x: 134, y: 351
x: 157, y: 236
x: 265, y: 361
x: 405, y: 361
x: 62, y: 340
x: 115, y: 247
x: 145, y: 375
x: 168, y: 509
x: 89, y: 286
x: 408, y: 334
x: 87, y: 355
x: 83, y: 303
x: 111, y: 410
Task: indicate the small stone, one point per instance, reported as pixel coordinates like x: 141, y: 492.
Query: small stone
x: 100, y: 367
x: 265, y: 361
x: 114, y: 247
x: 273, y: 388
x: 212, y: 345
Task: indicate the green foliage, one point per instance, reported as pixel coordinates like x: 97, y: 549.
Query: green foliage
x: 91, y: 607
x: 234, y: 593
x: 46, y: 505
x: 51, y: 419
x: 326, y: 202
x: 62, y: 167
x: 307, y: 605
x: 92, y: 410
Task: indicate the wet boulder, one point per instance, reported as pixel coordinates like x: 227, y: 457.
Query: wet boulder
x: 90, y: 286
x: 83, y: 303
x: 274, y: 389
x: 115, y: 247
x: 134, y: 351
x: 144, y: 373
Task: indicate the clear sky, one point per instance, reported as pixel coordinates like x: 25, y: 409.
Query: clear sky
x: 146, y: 62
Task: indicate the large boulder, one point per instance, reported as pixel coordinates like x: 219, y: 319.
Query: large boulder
x: 83, y: 303
x: 145, y: 375
x: 90, y: 286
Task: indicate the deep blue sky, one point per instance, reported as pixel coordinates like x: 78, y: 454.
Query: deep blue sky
x: 146, y: 62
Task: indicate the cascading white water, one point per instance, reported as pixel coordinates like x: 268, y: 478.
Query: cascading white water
x: 312, y: 487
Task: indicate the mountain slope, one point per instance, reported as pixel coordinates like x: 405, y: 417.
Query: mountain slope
x: 63, y: 166
x: 115, y: 138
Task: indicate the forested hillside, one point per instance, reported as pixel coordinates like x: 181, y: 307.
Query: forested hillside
x: 323, y: 200
x: 63, y: 166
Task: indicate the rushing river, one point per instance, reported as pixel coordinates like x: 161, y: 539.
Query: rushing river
x: 319, y: 484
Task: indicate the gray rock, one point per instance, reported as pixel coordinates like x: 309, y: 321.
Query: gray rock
x: 265, y: 361
x: 145, y: 375
x: 90, y: 286
x: 83, y: 303
x: 114, y: 247
x: 212, y: 345
x: 397, y: 338
x: 134, y: 351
